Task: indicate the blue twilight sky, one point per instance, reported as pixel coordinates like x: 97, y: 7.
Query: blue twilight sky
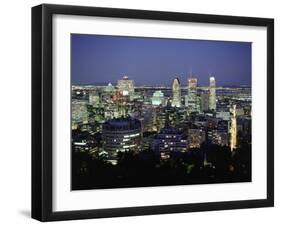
x: 100, y: 59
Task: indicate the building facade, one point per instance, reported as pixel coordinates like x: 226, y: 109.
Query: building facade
x: 170, y: 140
x: 79, y: 113
x: 212, y: 97
x: 158, y: 98
x: 196, y: 137
x: 126, y: 87
x: 204, y: 101
x: 120, y: 135
x: 192, y: 100
x: 176, y: 89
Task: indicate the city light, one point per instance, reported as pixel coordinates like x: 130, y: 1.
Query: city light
x: 147, y: 128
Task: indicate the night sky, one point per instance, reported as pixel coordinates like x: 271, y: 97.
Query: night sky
x: 100, y: 59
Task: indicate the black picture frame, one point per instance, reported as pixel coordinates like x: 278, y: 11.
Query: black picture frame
x: 42, y: 111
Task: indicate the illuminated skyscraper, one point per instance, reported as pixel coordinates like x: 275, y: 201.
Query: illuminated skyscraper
x: 192, y: 101
x: 233, y: 128
x: 212, y: 91
x: 158, y: 98
x: 126, y: 86
x: 176, y: 101
x: 192, y: 85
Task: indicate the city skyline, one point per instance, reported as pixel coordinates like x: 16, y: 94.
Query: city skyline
x: 146, y: 117
x: 157, y: 61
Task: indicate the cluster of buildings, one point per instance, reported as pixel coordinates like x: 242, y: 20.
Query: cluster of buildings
x: 193, y: 102
x: 163, y: 119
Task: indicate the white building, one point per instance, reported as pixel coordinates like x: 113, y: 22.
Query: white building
x: 176, y: 100
x: 212, y: 91
x: 192, y: 100
x: 158, y: 98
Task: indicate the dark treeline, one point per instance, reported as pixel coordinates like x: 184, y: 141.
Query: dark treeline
x: 209, y: 164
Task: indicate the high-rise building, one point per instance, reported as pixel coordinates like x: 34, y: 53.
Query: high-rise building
x: 120, y: 135
x: 176, y: 101
x: 212, y: 97
x: 233, y: 128
x: 204, y: 101
x: 126, y: 87
x: 192, y: 100
x: 192, y: 85
x: 158, y: 98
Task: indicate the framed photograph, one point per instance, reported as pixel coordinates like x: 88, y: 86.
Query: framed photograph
x: 145, y: 112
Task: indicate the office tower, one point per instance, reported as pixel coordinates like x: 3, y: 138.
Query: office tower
x: 176, y: 101
x: 192, y: 101
x: 192, y: 86
x: 158, y: 98
x: 120, y: 135
x: 204, y: 101
x: 212, y: 90
x: 233, y: 128
x: 126, y: 87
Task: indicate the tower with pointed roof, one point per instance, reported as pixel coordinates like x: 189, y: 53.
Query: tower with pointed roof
x: 176, y: 99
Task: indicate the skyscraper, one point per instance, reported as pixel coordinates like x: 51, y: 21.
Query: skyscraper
x: 212, y: 91
x: 126, y: 86
x: 176, y: 101
x: 233, y: 128
x: 158, y: 98
x: 192, y: 101
x: 192, y: 85
x: 205, y: 101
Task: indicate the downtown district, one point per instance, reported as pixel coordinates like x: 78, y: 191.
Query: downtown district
x: 169, y: 121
